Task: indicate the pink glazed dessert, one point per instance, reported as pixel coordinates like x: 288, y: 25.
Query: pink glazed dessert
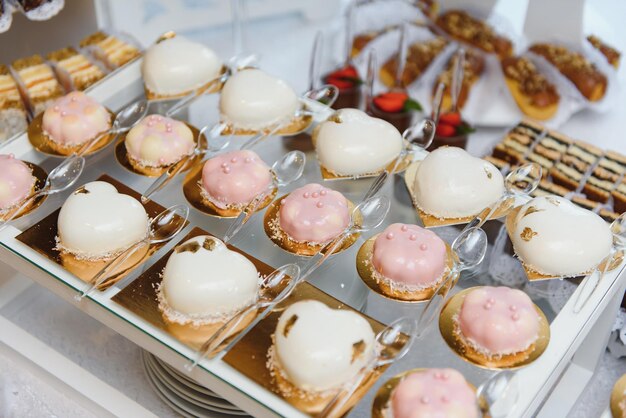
x: 233, y: 179
x: 16, y: 181
x: 313, y: 214
x: 433, y: 393
x: 498, y: 320
x: 409, y: 258
x: 158, y: 141
x: 73, y: 120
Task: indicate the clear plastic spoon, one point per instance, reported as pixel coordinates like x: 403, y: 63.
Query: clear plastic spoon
x: 286, y: 170
x: 59, y: 179
x: 196, y: 94
x: 457, y: 78
x: 468, y: 249
x: 518, y: 183
x: 125, y: 119
x: 162, y: 228
x: 498, y: 395
x: 392, y: 343
x: 213, y: 144
x: 271, y: 292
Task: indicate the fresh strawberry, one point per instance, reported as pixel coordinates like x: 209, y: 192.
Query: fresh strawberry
x: 344, y: 78
x: 451, y: 118
x: 391, y: 102
x: 445, y: 130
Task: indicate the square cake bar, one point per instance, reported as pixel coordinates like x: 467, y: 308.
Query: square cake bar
x: 517, y: 142
x: 570, y: 172
x: 549, y: 150
x: 605, y: 176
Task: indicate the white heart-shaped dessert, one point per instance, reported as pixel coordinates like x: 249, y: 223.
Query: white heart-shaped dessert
x: 353, y: 143
x: 450, y: 183
x: 554, y: 236
x: 319, y: 348
x: 97, y: 221
x: 178, y: 65
x: 204, y: 280
x: 253, y: 99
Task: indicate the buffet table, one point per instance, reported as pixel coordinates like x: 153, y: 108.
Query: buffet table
x: 550, y: 385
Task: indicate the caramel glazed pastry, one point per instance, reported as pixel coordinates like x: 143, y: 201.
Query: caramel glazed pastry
x: 419, y: 57
x: 465, y: 28
x: 533, y: 93
x: 473, y: 67
x: 611, y: 54
x: 588, y: 80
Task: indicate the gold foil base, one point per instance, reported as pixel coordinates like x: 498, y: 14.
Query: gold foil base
x: 535, y: 276
x: 431, y: 221
x: 140, y: 297
x: 368, y: 274
x: 618, y: 397
x: 450, y: 333
x: 42, y: 236
x: 193, y: 194
x: 281, y: 239
x: 43, y: 144
x: 295, y: 126
x: 40, y: 180
x: 383, y: 396
x: 250, y: 355
x: 213, y: 86
x: 122, y: 157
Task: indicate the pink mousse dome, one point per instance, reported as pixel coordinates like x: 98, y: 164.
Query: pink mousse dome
x: 74, y: 119
x: 498, y: 320
x: 159, y: 141
x: 433, y: 393
x: 409, y: 255
x: 16, y: 181
x: 314, y: 214
x: 235, y: 178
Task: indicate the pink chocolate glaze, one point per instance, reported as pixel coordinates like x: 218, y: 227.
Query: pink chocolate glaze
x: 16, y: 181
x: 74, y: 119
x: 235, y: 178
x: 314, y: 214
x: 499, y: 320
x: 159, y: 141
x: 433, y: 393
x: 409, y: 255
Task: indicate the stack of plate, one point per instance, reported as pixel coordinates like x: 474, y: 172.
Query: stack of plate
x: 184, y: 395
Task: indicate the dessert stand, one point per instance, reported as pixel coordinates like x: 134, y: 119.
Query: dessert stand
x: 550, y: 385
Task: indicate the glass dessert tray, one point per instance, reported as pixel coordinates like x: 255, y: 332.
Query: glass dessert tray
x: 549, y: 384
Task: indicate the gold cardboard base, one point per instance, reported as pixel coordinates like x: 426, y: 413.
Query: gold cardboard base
x: 40, y: 180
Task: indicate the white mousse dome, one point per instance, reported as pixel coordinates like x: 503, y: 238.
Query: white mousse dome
x: 178, y: 65
x: 97, y: 221
x: 252, y: 99
x: 450, y: 183
x: 353, y: 143
x: 318, y: 348
x: 205, y: 280
x: 554, y: 236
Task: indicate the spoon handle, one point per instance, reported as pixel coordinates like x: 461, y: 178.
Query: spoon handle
x: 109, y: 269
x: 23, y: 206
x: 90, y: 144
x: 437, y: 102
x: 244, y: 217
x: 484, y: 215
x: 382, y: 178
x: 591, y: 282
x: 218, y: 341
x: 190, y: 98
x: 322, y: 255
x: 457, y: 78
x: 256, y: 139
x: 402, y: 55
x: 436, y: 302
x: 336, y: 404
x: 165, y: 178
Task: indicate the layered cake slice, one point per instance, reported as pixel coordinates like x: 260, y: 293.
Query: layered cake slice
x: 605, y: 176
x: 549, y: 150
x: 419, y: 57
x: 75, y: 71
x: 619, y: 197
x: 586, y: 203
x: 38, y: 82
x: 611, y: 54
x: 608, y: 215
x: 517, y: 143
x: 570, y: 172
x: 501, y: 165
x: 110, y: 49
x: 12, y: 110
x: 547, y: 188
